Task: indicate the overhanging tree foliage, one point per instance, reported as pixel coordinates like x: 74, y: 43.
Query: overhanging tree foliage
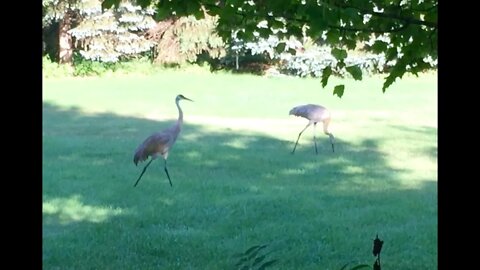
x: 405, y: 31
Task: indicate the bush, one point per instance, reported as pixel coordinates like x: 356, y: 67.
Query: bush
x: 84, y: 67
x: 53, y: 70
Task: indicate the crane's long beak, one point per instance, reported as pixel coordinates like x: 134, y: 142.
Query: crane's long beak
x: 187, y: 99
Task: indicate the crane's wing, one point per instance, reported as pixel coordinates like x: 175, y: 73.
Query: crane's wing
x: 156, y: 143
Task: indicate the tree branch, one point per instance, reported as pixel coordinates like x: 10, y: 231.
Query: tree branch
x: 370, y: 30
x: 424, y: 10
x: 408, y: 20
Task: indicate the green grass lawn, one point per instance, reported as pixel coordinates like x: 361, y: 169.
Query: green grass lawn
x: 235, y: 183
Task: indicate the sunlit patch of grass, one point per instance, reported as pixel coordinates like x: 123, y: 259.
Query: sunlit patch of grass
x: 68, y: 210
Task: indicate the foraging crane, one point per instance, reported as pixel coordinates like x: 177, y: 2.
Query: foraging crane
x: 314, y: 114
x: 160, y: 143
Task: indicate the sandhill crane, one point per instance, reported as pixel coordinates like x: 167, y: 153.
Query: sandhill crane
x: 160, y: 143
x: 314, y: 114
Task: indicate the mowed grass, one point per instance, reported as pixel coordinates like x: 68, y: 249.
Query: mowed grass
x: 235, y: 182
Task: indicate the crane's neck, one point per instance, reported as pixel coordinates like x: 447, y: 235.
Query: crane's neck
x: 326, y: 122
x: 180, y: 113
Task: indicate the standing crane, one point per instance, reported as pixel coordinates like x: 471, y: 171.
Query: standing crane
x: 160, y: 143
x: 314, y: 114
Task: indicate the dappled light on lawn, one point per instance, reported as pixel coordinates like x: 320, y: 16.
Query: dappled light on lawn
x: 68, y: 210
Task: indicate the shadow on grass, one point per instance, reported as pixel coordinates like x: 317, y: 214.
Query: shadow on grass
x: 422, y: 133
x: 230, y: 190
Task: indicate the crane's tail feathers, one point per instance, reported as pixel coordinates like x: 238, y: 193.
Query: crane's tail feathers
x: 139, y: 157
x: 136, y: 158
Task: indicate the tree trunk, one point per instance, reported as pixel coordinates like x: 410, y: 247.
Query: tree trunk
x: 65, y: 52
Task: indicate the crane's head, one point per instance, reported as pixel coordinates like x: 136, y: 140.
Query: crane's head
x: 181, y: 97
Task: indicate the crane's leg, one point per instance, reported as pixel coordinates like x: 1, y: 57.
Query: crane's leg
x: 314, y: 138
x: 300, y: 134
x: 332, y: 140
x: 144, y: 169
x: 166, y: 171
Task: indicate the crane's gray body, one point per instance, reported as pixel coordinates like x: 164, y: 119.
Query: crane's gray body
x: 314, y: 114
x: 160, y: 143
x: 157, y: 144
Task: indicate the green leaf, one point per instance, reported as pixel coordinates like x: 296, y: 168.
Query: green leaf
x: 325, y: 75
x: 199, y: 14
x: 258, y: 260
x: 338, y: 90
x: 356, y: 72
x: 241, y: 261
x: 432, y: 16
x: 339, y: 54
x: 280, y: 47
x: 193, y: 7
x: 144, y: 3
x: 350, y: 13
x: 360, y: 266
x: 264, y: 32
x: 379, y: 46
x: 162, y: 13
x: 254, y: 248
x: 249, y: 29
x: 241, y: 35
x: 332, y: 15
x: 317, y: 21
x: 106, y: 4
x: 350, y: 43
x: 254, y: 253
x: 226, y: 13
x: 279, y: 6
x: 333, y: 36
x: 265, y: 265
x: 388, y: 81
x: 292, y: 51
x: 275, y: 24
x: 391, y: 53
x: 397, y: 72
x: 293, y: 30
